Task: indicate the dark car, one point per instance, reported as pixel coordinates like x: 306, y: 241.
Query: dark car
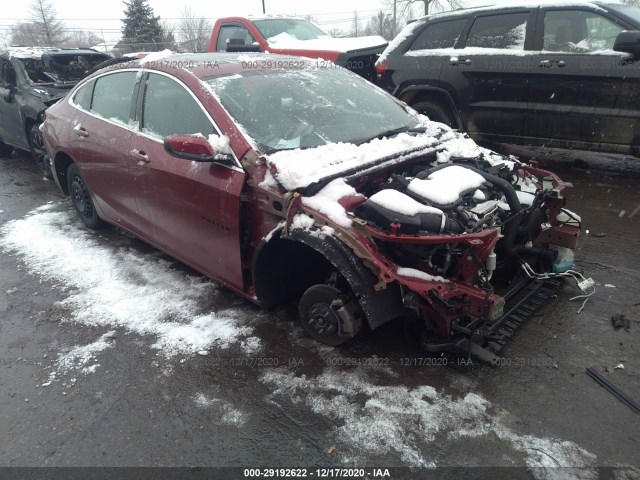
x: 32, y: 79
x: 556, y: 74
x: 263, y: 175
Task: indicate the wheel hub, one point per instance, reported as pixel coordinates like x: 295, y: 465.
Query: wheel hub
x: 323, y: 319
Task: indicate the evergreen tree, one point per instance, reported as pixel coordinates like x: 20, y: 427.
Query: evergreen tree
x: 141, y: 30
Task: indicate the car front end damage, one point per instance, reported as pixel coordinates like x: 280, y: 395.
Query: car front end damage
x: 457, y: 246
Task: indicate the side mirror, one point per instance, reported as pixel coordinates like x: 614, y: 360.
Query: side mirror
x: 628, y: 42
x: 195, y: 148
x: 238, y: 45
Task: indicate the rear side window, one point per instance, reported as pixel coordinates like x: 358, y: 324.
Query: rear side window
x: 439, y: 35
x: 169, y: 109
x: 82, y: 97
x: 233, y: 34
x: 112, y: 96
x: 506, y: 31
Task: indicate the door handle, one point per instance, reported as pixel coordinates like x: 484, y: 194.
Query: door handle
x: 551, y: 63
x: 457, y: 61
x: 80, y: 131
x: 139, y: 155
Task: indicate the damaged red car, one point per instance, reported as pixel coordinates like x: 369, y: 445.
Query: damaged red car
x: 284, y: 178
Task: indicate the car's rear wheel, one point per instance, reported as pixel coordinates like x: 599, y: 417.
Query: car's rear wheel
x: 5, y: 150
x: 329, y: 315
x: 38, y: 152
x: 436, y: 112
x: 81, y: 199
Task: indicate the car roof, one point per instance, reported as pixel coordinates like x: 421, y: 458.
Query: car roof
x: 597, y: 4
x: 37, y: 52
x: 204, y: 65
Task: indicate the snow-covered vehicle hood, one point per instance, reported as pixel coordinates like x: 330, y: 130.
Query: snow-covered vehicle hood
x: 328, y: 43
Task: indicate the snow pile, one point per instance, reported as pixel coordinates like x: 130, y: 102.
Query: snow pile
x: 326, y: 201
x: 400, y: 203
x: 220, y: 144
x: 302, y: 221
x: 445, y: 186
x: 286, y: 41
x: 223, y: 412
x: 413, y: 273
x: 373, y: 419
x: 81, y: 359
x: 121, y: 287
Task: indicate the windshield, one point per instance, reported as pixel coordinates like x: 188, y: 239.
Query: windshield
x: 298, y: 29
x: 287, y: 109
x: 60, y: 68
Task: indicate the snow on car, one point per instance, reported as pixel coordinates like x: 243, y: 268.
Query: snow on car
x: 298, y: 180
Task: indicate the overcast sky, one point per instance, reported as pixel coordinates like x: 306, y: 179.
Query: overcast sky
x: 106, y: 15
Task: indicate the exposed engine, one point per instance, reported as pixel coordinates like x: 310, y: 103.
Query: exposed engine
x: 460, y: 199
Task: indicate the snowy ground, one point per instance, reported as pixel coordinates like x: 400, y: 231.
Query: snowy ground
x: 106, y: 341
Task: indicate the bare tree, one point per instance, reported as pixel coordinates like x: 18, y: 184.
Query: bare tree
x: 194, y: 31
x: 82, y: 39
x: 336, y: 32
x: 632, y: 3
x: 431, y: 6
x: 356, y: 27
x: 25, y: 33
x: 51, y: 31
x: 381, y: 24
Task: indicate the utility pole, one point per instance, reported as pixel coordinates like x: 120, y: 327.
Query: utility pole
x: 263, y: 9
x: 394, y: 18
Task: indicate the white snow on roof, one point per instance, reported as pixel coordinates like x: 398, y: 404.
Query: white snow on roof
x: 378, y: 417
x: 400, y: 203
x: 405, y: 33
x: 28, y: 52
x: 326, y: 201
x: 156, y: 57
x: 445, y: 186
x: 286, y: 41
x: 121, y: 287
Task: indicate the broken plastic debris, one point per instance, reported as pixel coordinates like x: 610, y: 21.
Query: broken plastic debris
x: 608, y: 285
x: 619, y: 367
x: 622, y: 212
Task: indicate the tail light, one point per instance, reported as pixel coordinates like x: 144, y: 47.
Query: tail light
x: 381, y: 67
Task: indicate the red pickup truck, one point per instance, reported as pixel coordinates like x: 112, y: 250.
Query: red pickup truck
x: 296, y: 36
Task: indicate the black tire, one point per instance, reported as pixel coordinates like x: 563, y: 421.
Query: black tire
x: 38, y: 152
x: 436, y: 112
x: 319, y: 316
x: 5, y: 150
x: 81, y: 199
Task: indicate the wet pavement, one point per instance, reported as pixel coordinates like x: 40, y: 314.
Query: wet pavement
x: 287, y: 401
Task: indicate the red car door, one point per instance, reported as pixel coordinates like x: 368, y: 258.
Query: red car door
x: 105, y: 134
x: 190, y: 209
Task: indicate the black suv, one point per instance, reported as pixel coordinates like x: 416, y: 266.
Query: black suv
x: 32, y: 79
x: 565, y: 74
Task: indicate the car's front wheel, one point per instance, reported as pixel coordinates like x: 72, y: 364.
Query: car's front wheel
x: 329, y: 315
x: 435, y: 112
x: 39, y: 153
x: 81, y: 199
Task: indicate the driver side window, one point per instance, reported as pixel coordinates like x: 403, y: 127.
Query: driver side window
x: 169, y: 109
x: 578, y: 31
